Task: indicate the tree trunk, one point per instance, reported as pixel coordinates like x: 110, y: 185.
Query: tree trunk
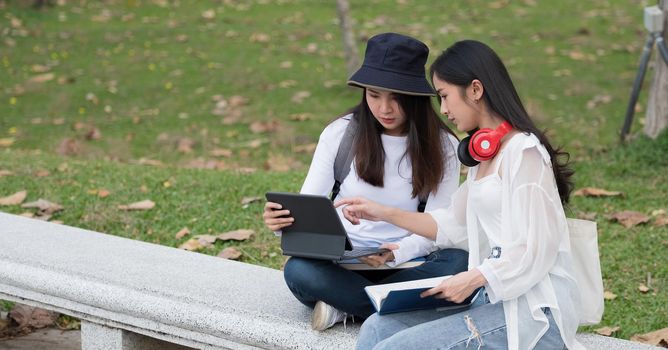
x: 349, y: 45
x: 656, y: 118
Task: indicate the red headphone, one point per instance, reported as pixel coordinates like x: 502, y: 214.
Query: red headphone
x: 482, y: 145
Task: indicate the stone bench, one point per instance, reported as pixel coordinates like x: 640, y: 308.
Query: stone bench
x: 136, y: 295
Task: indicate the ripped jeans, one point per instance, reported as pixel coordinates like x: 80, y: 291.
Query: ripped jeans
x: 481, y: 326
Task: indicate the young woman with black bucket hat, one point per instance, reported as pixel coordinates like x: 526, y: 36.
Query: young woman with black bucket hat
x: 402, y: 152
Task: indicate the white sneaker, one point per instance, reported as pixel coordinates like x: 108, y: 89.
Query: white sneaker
x: 325, y: 316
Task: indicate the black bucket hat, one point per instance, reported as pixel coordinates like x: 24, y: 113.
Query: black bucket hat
x: 394, y: 62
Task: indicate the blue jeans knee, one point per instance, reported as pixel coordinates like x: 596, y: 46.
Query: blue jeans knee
x: 453, y: 260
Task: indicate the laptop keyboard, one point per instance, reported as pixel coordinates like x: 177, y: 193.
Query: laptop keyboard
x: 359, y: 252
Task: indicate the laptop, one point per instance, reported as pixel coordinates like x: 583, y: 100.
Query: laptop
x: 317, y: 231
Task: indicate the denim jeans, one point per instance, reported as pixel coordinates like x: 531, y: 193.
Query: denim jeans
x: 431, y: 329
x: 311, y: 280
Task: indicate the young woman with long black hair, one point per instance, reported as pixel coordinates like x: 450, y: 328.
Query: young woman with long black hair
x: 509, y: 210
x: 402, y: 151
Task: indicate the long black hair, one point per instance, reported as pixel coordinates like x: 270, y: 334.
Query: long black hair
x: 467, y: 60
x: 425, y: 143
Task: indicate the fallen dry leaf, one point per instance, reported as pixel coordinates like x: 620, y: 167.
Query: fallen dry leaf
x: 280, y: 163
x: 656, y: 338
x: 300, y: 117
x: 307, y: 148
x: 230, y: 253
x: 152, y: 162
x: 142, y: 205
x: 39, y: 68
x: 576, y: 55
x: 265, y: 126
x: 220, y: 109
x: 248, y: 200
x: 629, y: 218
x: 245, y: 170
x: 255, y: 143
x: 102, y: 193
x: 643, y: 288
x: 93, y: 134
x: 300, y: 96
x: 28, y: 316
x: 661, y: 221
x: 287, y: 83
x: 209, y: 14
x: 6, y: 142
x: 43, y: 217
x: 591, y: 216
x: 238, y: 100
x: 237, y: 235
x: 206, y: 240
x: 606, y: 331
x: 42, y: 78
x: 69, y: 146
x: 658, y: 212
x: 192, y: 245
x: 259, y: 38
x: 608, y: 295
x: 4, y: 172
x: 220, y: 152
x: 497, y: 4
x: 598, y: 100
x: 14, y: 199
x: 42, y: 173
x: 182, y: 233
x: 45, y: 207
x: 596, y: 192
x: 200, y: 163
x: 185, y: 145
x: 233, y: 117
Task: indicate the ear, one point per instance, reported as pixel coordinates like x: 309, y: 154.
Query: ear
x: 475, y: 90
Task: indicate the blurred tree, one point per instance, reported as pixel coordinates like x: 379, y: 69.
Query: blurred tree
x: 656, y: 118
x: 349, y: 45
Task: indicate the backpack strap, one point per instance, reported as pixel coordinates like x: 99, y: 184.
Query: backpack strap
x: 423, y: 204
x: 344, y: 156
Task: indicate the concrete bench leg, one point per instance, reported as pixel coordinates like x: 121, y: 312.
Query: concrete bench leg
x: 98, y: 337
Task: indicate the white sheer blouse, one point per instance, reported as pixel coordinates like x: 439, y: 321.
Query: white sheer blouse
x: 531, y: 267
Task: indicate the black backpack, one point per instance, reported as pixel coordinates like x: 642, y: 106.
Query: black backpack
x: 344, y: 157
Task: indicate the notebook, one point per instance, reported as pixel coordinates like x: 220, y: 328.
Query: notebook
x: 405, y: 296
x: 317, y: 231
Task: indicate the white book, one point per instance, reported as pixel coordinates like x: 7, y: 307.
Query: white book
x: 405, y: 296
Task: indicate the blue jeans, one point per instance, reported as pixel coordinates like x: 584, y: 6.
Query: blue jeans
x: 311, y: 280
x: 431, y: 329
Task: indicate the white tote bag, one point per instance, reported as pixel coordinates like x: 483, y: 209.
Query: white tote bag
x: 584, y: 246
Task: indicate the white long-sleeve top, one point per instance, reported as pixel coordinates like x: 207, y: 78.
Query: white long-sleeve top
x: 519, y: 215
x: 396, y: 192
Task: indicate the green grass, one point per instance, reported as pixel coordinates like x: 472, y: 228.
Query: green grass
x: 151, y: 69
x: 206, y: 202
x: 6, y: 305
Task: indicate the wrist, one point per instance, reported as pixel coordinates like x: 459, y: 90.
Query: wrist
x: 389, y: 214
x: 477, y: 278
